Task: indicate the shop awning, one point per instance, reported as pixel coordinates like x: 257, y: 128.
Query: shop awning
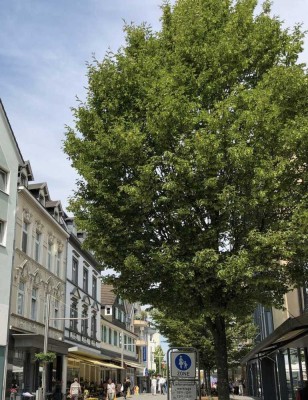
x: 133, y: 365
x: 74, y: 354
x: 292, y: 330
x: 37, y: 341
x: 129, y: 363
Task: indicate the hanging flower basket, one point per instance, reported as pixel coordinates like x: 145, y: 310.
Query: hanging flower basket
x: 45, y: 357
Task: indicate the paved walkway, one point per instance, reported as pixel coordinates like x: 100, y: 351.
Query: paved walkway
x: 149, y: 396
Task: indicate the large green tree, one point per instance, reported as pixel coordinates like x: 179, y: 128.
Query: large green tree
x: 192, y: 152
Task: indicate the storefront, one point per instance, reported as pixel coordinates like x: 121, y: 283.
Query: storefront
x: 24, y: 372
x: 277, y: 366
x: 91, y: 370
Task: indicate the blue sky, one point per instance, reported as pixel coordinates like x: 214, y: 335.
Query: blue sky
x: 44, y: 49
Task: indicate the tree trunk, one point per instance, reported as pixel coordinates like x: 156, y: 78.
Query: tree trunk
x: 218, y: 329
x: 208, y: 382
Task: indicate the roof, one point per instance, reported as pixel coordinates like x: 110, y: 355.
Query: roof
x: 52, y: 203
x: 107, y: 295
x: 12, y: 133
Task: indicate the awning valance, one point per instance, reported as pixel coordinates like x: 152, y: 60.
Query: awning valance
x: 134, y: 365
x: 293, y: 329
x: 91, y: 359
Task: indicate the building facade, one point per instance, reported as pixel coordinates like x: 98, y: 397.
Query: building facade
x: 10, y: 161
x: 83, y: 332
x: 38, y: 288
x: 118, y: 337
x: 277, y: 366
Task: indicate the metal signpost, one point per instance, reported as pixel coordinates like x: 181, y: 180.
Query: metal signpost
x: 183, y: 374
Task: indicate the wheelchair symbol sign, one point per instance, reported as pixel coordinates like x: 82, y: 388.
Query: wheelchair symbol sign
x: 183, y: 365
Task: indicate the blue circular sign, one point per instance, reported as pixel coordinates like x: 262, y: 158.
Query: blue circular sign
x: 183, y: 362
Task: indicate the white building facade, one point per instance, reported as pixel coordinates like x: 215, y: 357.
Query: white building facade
x: 10, y: 160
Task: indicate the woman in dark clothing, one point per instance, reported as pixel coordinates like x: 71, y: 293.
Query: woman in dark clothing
x: 126, y: 387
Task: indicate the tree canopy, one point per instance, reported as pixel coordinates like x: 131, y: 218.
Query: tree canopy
x: 192, y: 152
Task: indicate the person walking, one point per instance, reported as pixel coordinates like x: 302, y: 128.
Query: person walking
x: 126, y: 388
x: 153, y: 385
x: 75, y: 389
x: 110, y: 390
x: 162, y: 382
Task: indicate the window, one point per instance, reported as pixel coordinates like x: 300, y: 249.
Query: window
x: 94, y: 288
x: 21, y: 298
x: 108, y: 311
x: 23, y: 179
x: 122, y: 316
x: 49, y: 256
x: 84, y: 322
x: 58, y: 263
x: 2, y: 229
x: 3, y: 180
x: 75, y: 271
x: 34, y: 304
x: 37, y: 246
x: 104, y: 334
x: 115, y: 338
x: 116, y: 311
x: 24, y: 244
x: 56, y: 321
x: 74, y: 314
x: 41, y: 199
x: 120, y: 301
x: 110, y: 336
x: 93, y: 326
x: 85, y: 279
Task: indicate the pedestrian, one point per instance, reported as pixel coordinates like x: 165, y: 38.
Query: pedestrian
x: 162, y: 382
x: 110, y: 390
x: 126, y: 388
x: 75, y: 389
x: 158, y: 384
x: 236, y: 387
x: 302, y: 394
x: 153, y: 385
x: 240, y: 388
